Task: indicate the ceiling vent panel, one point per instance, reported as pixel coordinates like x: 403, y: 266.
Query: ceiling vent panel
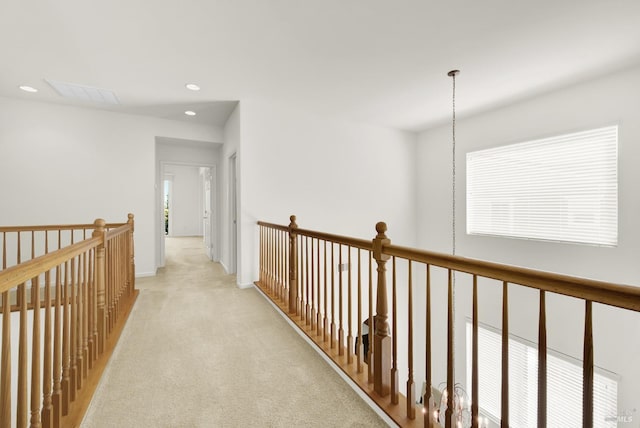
x: 83, y: 92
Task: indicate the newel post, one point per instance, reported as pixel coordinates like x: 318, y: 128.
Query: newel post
x: 382, y: 340
x: 293, y: 265
x: 100, y: 232
x: 132, y: 262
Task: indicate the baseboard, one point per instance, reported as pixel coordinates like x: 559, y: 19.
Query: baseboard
x: 145, y: 274
x: 243, y: 286
x: 226, y: 270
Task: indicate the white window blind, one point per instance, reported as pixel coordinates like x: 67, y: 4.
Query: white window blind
x: 564, y: 384
x: 563, y: 188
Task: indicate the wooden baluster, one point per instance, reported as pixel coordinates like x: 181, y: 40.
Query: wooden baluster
x: 47, y: 406
x: 340, y: 311
x: 132, y: 261
x: 80, y: 343
x: 73, y: 330
x: 542, y: 362
x: 35, y: 355
x: 22, y: 410
x: 411, y: 386
x: 349, y: 310
x: 587, y: 367
x: 273, y: 265
x: 319, y: 327
x: 88, y: 327
x: 474, y: 358
x: 94, y: 310
x: 110, y: 285
x: 114, y: 273
x: 504, y: 420
x: 449, y: 413
x: 100, y: 285
x: 261, y: 262
x: 280, y: 266
x: 382, y: 341
x: 427, y: 399
x: 371, y: 326
x: 312, y: 313
x: 56, y: 397
x: 66, y: 356
x: 274, y: 261
x: 5, y: 362
x: 279, y: 263
x: 333, y: 299
x: 308, y: 294
x: 284, y: 257
x: 301, y: 296
x: 270, y: 244
x: 18, y: 261
x: 395, y: 384
x: 287, y: 266
x: 293, y: 265
x: 360, y: 347
x: 325, y: 325
x: 267, y: 258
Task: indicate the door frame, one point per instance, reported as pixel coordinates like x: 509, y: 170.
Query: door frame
x: 233, y: 213
x: 214, y: 210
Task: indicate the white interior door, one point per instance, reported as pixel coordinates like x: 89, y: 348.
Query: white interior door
x: 207, y: 212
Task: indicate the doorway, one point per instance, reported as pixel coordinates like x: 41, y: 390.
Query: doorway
x: 167, y: 192
x: 187, y: 205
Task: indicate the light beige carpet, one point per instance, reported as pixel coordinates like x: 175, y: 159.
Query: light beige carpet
x: 199, y: 352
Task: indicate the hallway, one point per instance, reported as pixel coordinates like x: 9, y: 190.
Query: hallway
x: 199, y: 352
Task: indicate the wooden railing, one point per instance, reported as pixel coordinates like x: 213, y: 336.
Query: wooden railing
x: 303, y: 272
x: 65, y: 297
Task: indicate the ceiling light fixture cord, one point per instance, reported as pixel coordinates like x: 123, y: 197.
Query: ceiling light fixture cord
x: 453, y: 74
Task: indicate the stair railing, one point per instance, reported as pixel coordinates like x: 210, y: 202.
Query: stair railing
x: 315, y: 277
x: 65, y: 297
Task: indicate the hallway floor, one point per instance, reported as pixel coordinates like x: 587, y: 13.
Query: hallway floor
x: 199, y: 352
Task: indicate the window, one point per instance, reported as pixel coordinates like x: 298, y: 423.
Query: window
x: 563, y: 188
x: 564, y: 384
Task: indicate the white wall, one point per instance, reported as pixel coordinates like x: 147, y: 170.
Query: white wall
x: 334, y: 176
x: 70, y: 165
x: 609, y: 100
x: 185, y: 214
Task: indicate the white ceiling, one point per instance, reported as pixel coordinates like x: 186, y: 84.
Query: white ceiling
x: 375, y: 61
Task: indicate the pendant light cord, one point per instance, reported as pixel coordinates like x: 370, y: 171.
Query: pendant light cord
x: 453, y: 74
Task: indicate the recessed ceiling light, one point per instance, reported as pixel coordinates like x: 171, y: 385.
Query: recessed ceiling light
x: 190, y: 113
x: 28, y: 88
x: 192, y: 87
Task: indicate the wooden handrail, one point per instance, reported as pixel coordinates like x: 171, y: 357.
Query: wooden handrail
x: 621, y: 296
x: 337, y: 239
x: 16, y: 275
x: 309, y: 281
x: 120, y: 230
x: 53, y: 227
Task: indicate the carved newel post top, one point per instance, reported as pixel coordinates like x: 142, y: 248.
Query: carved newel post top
x: 99, y: 227
x: 130, y: 217
x: 381, y: 228
x: 293, y: 224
